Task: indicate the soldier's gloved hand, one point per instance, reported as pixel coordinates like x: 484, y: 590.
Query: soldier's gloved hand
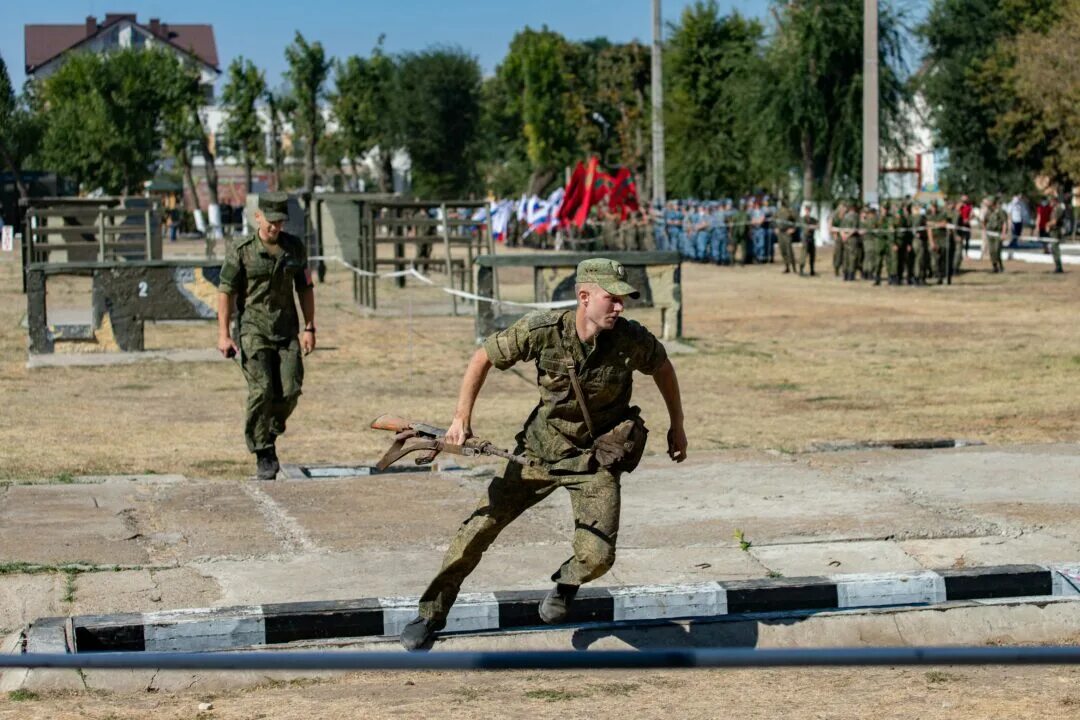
x: 227, y: 347
x: 458, y: 432
x: 676, y: 444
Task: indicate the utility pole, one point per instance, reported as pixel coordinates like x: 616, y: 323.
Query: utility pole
x: 659, y: 191
x: 870, y: 102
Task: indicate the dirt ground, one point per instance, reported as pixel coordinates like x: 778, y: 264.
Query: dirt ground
x: 779, y: 362
x: 966, y: 693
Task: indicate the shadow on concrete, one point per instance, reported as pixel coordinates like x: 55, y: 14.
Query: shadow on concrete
x: 704, y: 633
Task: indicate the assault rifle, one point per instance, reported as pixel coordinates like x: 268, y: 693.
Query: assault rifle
x: 410, y: 437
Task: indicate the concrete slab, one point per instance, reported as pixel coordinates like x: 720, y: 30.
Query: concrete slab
x: 829, y: 558
x: 52, y: 524
x: 201, y: 520
x: 24, y: 598
x: 777, y: 500
x: 1037, y: 547
x: 371, y: 573
x: 405, y: 510
x: 99, y: 359
x: 102, y: 593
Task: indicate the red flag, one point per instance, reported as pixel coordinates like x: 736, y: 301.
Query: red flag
x: 575, y: 191
x: 581, y: 213
x: 624, y: 198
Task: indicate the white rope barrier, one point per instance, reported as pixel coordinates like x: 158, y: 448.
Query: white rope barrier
x: 414, y: 273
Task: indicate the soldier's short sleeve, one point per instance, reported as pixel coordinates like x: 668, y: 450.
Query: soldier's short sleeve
x: 302, y: 279
x: 646, y: 353
x: 232, y: 272
x: 509, y: 346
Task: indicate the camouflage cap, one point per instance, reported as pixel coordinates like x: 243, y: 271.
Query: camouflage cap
x: 274, y: 206
x: 608, y: 274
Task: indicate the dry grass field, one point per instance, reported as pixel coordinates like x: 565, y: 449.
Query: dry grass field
x: 779, y: 361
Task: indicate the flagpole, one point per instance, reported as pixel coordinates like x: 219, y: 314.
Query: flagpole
x: 659, y: 191
x: 870, y: 102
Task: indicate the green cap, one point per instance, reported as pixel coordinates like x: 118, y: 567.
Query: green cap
x: 274, y: 206
x: 608, y: 274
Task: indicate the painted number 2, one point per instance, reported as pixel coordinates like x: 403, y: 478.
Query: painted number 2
x: 144, y: 287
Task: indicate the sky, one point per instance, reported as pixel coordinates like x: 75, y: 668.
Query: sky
x: 261, y: 29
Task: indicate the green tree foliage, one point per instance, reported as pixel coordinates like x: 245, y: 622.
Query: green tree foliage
x: 536, y: 83
x: 439, y: 115
x: 811, y: 100
x: 623, y: 76
x: 103, y: 114
x: 1045, y: 76
x: 711, y: 60
x: 966, y: 82
x: 307, y: 73
x: 20, y: 130
x: 363, y: 104
x: 243, y: 89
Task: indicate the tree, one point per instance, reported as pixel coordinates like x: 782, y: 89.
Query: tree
x: 439, y: 92
x: 965, y: 80
x: 623, y: 76
x: 1044, y: 75
x: 710, y: 57
x: 180, y: 131
x: 536, y: 79
x: 308, y: 69
x: 363, y: 104
x: 243, y: 129
x: 280, y: 106
x: 102, y: 115
x: 20, y: 130
x: 811, y: 90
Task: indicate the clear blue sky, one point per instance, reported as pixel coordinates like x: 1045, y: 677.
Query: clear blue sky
x: 261, y: 30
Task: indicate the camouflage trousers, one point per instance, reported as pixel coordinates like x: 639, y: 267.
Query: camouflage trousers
x: 807, y: 253
x: 594, y: 498
x: 787, y: 252
x: 274, y: 374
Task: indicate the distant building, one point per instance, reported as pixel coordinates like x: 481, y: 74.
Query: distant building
x: 46, y: 46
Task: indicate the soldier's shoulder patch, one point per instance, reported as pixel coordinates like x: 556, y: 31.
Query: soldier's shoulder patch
x: 543, y: 318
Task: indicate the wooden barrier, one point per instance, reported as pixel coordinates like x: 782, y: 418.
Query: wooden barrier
x: 658, y: 275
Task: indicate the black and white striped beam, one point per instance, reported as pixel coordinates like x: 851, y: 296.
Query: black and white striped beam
x: 275, y: 624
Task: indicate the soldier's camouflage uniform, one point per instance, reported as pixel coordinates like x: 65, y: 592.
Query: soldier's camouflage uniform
x: 557, y: 437
x: 269, y: 348
x: 995, y: 223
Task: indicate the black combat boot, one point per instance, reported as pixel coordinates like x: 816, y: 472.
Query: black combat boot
x: 266, y: 464
x: 419, y: 634
x: 556, y: 605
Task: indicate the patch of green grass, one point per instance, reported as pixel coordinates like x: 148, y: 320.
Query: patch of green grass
x: 69, y: 585
x: 618, y: 688
x: 22, y: 695
x: 64, y: 478
x: 744, y: 543
x: 134, y: 386
x: 554, y: 695
x: 774, y: 574
x: 823, y: 398
x: 469, y: 694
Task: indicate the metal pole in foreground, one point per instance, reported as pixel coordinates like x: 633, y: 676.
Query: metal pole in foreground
x: 870, y: 102
x: 659, y: 190
x: 553, y: 660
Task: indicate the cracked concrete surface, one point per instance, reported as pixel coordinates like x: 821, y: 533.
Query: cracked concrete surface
x: 192, y: 543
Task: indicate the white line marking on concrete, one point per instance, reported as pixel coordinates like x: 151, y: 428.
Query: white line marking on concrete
x: 291, y: 533
x: 878, y: 589
x: 471, y: 612
x: 1066, y: 579
x: 656, y: 602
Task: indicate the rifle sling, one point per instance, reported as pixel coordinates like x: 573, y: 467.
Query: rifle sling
x: 580, y: 396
